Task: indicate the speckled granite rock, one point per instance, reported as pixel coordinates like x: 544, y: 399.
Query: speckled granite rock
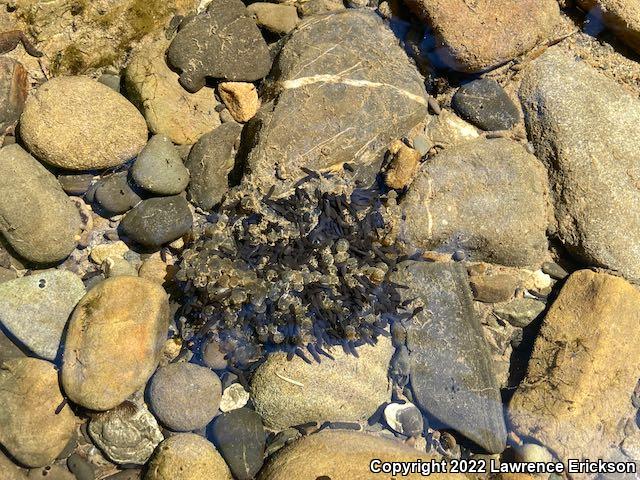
x: 462, y: 190
x: 585, y: 127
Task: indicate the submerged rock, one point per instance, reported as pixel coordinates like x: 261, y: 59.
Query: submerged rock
x: 114, y: 341
x: 187, y: 456
x: 325, y: 110
x: 462, y: 190
x: 36, y: 217
x: 35, y: 308
x: 581, y: 375
x: 31, y: 428
x: 452, y: 374
x: 240, y: 438
x: 341, y: 455
x: 287, y: 393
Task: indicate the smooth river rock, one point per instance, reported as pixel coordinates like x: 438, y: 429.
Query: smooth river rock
x: 114, y: 341
x: 36, y: 217
x: 287, y: 393
x: 159, y: 168
x: 342, y: 455
x: 156, y: 221
x: 184, y: 396
x: 582, y: 372
x: 585, y: 127
x: 341, y: 91
x: 481, y: 183
x: 31, y: 429
x: 240, y: 438
x: 472, y: 36
x: 35, y: 308
x: 77, y: 123
x: 187, y: 456
x: 452, y: 373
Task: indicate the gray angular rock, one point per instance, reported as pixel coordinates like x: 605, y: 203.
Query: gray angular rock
x: 222, y: 42
x: 467, y: 188
x: 115, y: 195
x: 240, y: 438
x: 159, y: 169
x: 585, y: 127
x: 485, y: 104
x: 127, y: 434
x: 35, y: 309
x: 210, y: 161
x: 520, y: 312
x: 341, y: 90
x: 156, y: 221
x: 36, y: 217
x: 452, y: 374
x: 184, y: 396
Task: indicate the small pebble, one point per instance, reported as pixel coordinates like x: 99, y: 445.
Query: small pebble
x: 233, y: 397
x: 81, y: 467
x: 115, y: 195
x: 159, y: 168
x: 404, y: 418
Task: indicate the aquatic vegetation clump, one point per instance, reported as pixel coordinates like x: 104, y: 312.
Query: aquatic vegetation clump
x: 296, y: 273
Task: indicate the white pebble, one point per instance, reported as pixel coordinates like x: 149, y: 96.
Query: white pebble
x: 233, y: 397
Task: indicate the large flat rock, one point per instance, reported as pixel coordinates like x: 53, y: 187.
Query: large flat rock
x: 488, y: 198
x: 452, y: 374
x: 340, y: 91
x: 585, y: 128
x: 583, y: 369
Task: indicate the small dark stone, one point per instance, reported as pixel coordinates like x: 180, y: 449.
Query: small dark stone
x: 157, y: 221
x: 239, y: 437
x: 81, y: 467
x: 484, y: 103
x: 459, y: 255
x: 210, y: 161
x: 115, y: 195
x: 75, y: 184
x: 554, y: 270
x: 223, y: 42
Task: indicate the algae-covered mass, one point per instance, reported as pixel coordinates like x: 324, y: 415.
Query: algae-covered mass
x: 295, y: 273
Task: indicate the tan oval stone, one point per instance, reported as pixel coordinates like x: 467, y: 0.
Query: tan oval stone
x: 114, y: 341
x: 287, y: 393
x: 77, y: 123
x: 187, y: 456
x: 168, y: 108
x: 30, y: 429
x: 342, y: 455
